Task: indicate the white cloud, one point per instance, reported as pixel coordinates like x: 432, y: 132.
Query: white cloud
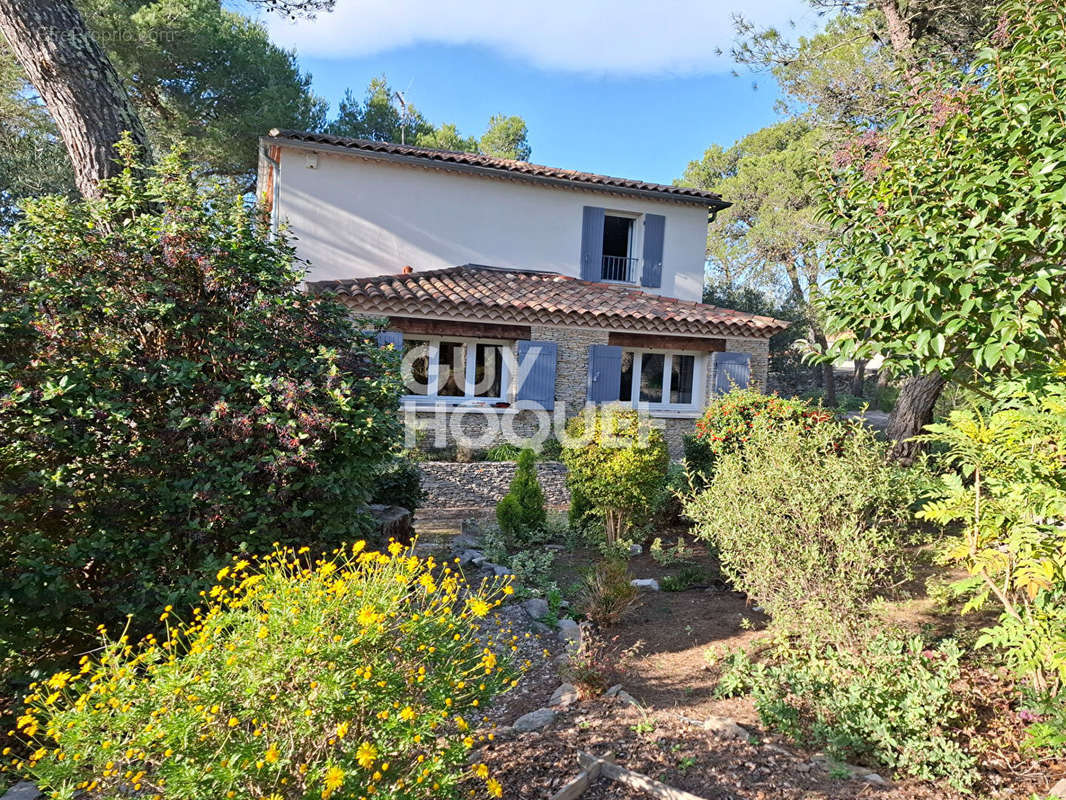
x: 610, y: 37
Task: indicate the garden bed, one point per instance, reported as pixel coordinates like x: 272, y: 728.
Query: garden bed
x: 668, y: 635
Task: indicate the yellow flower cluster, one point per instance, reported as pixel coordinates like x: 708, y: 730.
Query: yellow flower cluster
x: 351, y: 674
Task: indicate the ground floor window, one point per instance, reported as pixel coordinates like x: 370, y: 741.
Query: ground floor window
x: 454, y: 370
x: 659, y: 378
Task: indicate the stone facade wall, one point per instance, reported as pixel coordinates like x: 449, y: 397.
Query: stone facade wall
x: 759, y: 350
x: 482, y: 484
x: 487, y: 427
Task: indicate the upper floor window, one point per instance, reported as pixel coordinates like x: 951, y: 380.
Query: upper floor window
x: 622, y: 246
x: 454, y: 370
x: 619, y: 261
x: 660, y: 379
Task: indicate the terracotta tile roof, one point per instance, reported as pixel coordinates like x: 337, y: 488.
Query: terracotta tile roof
x: 501, y: 295
x: 489, y: 164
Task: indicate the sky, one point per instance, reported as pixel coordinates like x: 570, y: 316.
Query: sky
x: 630, y: 88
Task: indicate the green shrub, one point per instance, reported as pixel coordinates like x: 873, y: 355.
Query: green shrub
x: 399, y: 483
x: 890, y: 702
x: 617, y: 464
x: 729, y: 421
x: 607, y: 592
x: 686, y: 578
x: 169, y: 396
x: 356, y: 674
x: 809, y: 522
x: 551, y: 450
x: 522, y: 508
x: 503, y: 452
x: 1004, y: 503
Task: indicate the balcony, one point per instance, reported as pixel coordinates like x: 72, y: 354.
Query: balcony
x: 620, y: 269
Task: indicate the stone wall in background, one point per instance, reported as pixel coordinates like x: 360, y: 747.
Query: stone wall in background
x: 482, y: 484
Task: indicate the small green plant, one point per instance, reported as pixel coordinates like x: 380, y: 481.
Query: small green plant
x: 522, y: 508
x: 617, y: 464
x: 685, y: 579
x: 888, y: 701
x: 595, y: 665
x: 680, y: 553
x: 607, y: 592
x: 301, y: 678
x: 839, y: 772
x: 503, y: 452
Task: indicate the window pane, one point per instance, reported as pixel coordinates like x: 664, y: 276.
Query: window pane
x: 488, y: 371
x: 651, y: 377
x: 681, y: 372
x: 451, y: 370
x: 414, y: 370
x: 627, y: 377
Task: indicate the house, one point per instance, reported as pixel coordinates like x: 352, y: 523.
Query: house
x: 518, y: 293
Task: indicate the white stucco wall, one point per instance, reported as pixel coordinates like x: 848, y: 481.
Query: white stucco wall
x: 355, y: 217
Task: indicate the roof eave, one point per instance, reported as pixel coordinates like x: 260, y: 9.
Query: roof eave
x: 493, y: 172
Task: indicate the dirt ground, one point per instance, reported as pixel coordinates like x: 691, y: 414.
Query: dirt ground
x: 668, y: 635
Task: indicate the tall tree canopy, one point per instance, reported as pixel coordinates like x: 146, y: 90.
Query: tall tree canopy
x: 201, y: 74
x: 770, y: 237
x: 950, y: 226
x: 506, y: 138
x: 381, y: 117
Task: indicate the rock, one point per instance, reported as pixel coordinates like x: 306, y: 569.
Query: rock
x: 645, y: 584
x: 496, y: 569
x: 393, y: 522
x: 471, y: 557
x: 874, y: 778
x: 614, y: 690
x: 725, y: 728
x: 534, y: 720
x: 625, y: 697
x: 635, y: 549
x: 23, y: 790
x: 536, y: 608
x: 563, y: 696
x: 773, y: 748
x: 570, y: 632
x: 1059, y: 789
x: 539, y: 628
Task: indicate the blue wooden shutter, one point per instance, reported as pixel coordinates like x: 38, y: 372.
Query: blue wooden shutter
x: 538, y: 384
x: 654, y: 230
x: 731, y: 370
x: 395, y: 338
x: 592, y: 243
x: 605, y: 373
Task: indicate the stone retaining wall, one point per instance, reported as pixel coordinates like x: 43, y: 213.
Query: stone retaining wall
x: 482, y: 484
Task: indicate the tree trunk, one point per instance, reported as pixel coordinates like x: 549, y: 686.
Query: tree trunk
x: 913, y: 411
x: 858, y: 377
x: 77, y: 82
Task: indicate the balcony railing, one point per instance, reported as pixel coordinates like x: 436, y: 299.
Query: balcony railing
x: 622, y: 269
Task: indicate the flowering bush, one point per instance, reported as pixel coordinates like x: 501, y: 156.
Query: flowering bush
x: 167, y: 397
x: 356, y: 675
x: 728, y: 422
